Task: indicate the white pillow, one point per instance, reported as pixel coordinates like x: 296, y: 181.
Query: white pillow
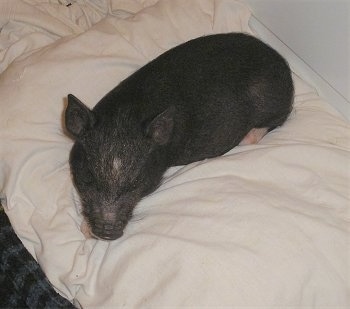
x: 34, y: 175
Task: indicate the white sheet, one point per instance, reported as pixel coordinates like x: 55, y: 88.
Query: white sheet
x: 265, y: 225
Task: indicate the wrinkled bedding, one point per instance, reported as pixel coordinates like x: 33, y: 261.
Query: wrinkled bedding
x: 263, y: 226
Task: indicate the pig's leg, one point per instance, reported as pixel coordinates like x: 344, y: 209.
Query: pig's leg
x: 253, y: 136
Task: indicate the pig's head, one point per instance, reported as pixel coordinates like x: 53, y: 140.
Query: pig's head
x: 115, y: 161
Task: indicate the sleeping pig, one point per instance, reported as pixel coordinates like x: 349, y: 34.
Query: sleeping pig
x: 195, y: 101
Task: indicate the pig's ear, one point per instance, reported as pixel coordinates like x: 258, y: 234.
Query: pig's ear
x: 161, y: 127
x: 78, y: 117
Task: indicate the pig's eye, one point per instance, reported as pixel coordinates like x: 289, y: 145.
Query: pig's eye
x: 83, y: 177
x: 86, y: 177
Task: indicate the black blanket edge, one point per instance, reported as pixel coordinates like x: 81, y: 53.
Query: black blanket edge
x: 23, y: 284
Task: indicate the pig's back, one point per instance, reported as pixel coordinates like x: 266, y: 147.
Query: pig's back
x: 222, y: 86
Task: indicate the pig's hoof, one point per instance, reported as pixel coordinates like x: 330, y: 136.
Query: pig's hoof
x: 85, y: 229
x: 253, y: 136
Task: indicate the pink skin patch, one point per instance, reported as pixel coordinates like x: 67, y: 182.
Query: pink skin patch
x: 85, y: 229
x: 253, y: 136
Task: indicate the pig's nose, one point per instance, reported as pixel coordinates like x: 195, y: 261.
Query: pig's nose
x: 106, y: 231
x: 108, y: 227
x: 110, y: 236
x: 107, y: 236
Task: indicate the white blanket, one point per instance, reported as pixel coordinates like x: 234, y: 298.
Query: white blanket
x: 263, y: 226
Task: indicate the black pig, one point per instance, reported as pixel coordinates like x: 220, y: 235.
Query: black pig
x: 195, y: 101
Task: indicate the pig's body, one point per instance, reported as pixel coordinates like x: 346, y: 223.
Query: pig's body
x: 196, y: 101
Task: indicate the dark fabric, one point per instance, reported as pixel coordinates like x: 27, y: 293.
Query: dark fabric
x: 22, y: 282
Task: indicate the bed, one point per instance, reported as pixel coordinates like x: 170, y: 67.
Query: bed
x: 263, y: 226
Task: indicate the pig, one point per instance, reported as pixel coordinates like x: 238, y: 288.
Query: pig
x: 196, y: 101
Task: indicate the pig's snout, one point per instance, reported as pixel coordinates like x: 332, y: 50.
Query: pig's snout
x: 107, y: 221
x: 106, y: 230
x: 106, y: 225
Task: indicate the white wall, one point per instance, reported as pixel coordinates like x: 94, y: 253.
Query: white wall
x: 318, y: 32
